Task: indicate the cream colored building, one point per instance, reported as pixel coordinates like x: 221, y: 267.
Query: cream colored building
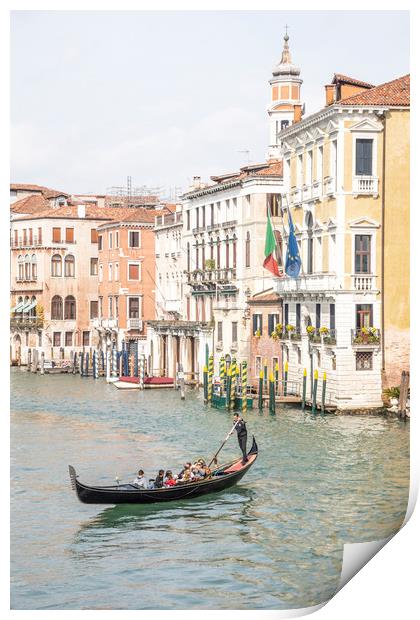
x: 346, y: 173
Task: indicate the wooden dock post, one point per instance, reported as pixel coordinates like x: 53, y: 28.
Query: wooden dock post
x: 315, y: 387
x: 42, y: 363
x: 108, y: 365
x: 181, y: 380
x: 276, y: 375
x: 402, y: 402
x: 222, y: 372
x: 74, y: 363
x: 286, y: 374
x: 114, y: 362
x: 81, y: 364
x: 265, y: 373
x: 210, y: 379
x: 324, y: 391
x: 136, y: 360
x: 28, y: 367
x: 141, y: 372
x: 34, y: 366
x: 205, y: 384
x: 244, y: 386
x: 260, y: 390
x: 95, y: 372
x: 131, y: 366
x: 228, y: 382
x: 272, y: 396
x: 86, y: 373
x: 304, y: 389
x: 232, y: 386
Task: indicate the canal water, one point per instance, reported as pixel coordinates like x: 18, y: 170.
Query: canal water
x: 275, y: 541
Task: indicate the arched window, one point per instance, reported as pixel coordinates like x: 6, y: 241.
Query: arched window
x: 56, y: 266
x: 310, y: 244
x: 218, y: 253
x: 33, y: 267
x: 57, y: 308
x: 188, y: 257
x: 227, y: 252
x: 21, y: 267
x: 27, y: 267
x: 32, y: 311
x: 197, y: 255
x: 70, y: 307
x: 69, y: 266
x: 248, y: 250
x: 234, y: 251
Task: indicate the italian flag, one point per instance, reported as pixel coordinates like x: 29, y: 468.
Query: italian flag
x: 270, y: 261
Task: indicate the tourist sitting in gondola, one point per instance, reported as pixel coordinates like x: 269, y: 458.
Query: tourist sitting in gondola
x: 151, y: 484
x: 181, y: 473
x: 169, y: 480
x: 159, y: 479
x: 140, y: 480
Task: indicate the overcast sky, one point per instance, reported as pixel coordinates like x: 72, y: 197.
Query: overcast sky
x: 165, y: 96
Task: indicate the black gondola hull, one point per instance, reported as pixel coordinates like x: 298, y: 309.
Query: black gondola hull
x: 227, y: 476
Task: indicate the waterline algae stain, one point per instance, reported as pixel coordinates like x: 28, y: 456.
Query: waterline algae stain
x: 272, y: 542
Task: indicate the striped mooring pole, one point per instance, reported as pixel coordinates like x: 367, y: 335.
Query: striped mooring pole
x: 228, y: 382
x: 95, y: 365
x: 304, y: 389
x: 136, y: 360
x: 141, y: 371
x: 286, y: 374
x: 102, y: 361
x: 86, y: 370
x: 232, y: 387
x: 81, y: 364
x: 314, y: 391
x: 222, y: 372
x: 114, y: 362
x: 210, y: 379
x: 272, y: 396
x: 265, y: 374
x: 74, y: 363
x: 244, y: 386
x: 205, y: 384
x: 260, y: 390
x: 276, y: 371
x: 324, y: 391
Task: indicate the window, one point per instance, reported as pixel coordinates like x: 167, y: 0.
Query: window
x: 33, y: 267
x: 364, y: 315
x: 133, y: 308
x: 234, y: 241
x: 93, y: 235
x: 333, y: 162
x: 364, y: 360
x: 212, y: 214
x: 133, y: 271
x: 188, y: 308
x: 31, y: 239
x: 69, y: 235
x: 227, y: 252
x: 117, y: 272
x: 133, y: 239
x: 203, y: 212
x: 332, y: 316
x: 101, y: 273
x: 21, y: 267
x: 234, y: 331
x: 299, y: 355
x: 309, y: 169
x: 56, y: 235
x: 117, y: 239
x: 320, y: 164
x: 110, y: 272
x: 110, y: 307
x: 362, y: 254
x: 258, y: 365
x: 116, y: 307
x: 68, y: 339
x: 69, y: 308
x: 248, y: 250
x: 188, y: 255
x: 257, y: 324
x: 110, y: 240
x: 197, y: 217
x: 99, y: 242
x: 100, y: 306
x: 86, y: 339
x: 274, y: 362
x: 218, y: 253
x: 69, y: 266
x: 298, y: 318
x: 364, y: 150
x: 93, y: 309
x: 286, y: 314
x: 188, y: 220
x: 203, y: 256
x: 318, y: 316
x: 56, y: 339
x: 57, y: 308
x: 284, y: 124
x: 299, y: 177
x: 273, y: 320
x: 56, y: 266
x: 93, y: 266
x: 274, y: 204
x: 27, y: 267
x: 219, y: 331
x: 24, y: 237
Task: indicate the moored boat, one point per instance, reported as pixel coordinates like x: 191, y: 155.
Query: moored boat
x: 133, y: 383
x: 221, y: 478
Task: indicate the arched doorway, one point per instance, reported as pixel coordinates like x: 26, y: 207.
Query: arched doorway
x: 16, y: 350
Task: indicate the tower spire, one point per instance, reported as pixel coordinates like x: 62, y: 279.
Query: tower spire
x: 286, y: 57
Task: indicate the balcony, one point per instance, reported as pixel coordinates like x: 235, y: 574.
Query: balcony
x: 296, y: 335
x: 314, y: 335
x: 365, y: 185
x: 363, y: 282
x: 230, y: 224
x: 306, y: 192
x: 198, y: 229
x: 29, y: 322
x: 212, y: 227
x: 105, y: 323
x: 329, y: 338
x: 21, y: 242
x: 135, y: 325
x: 207, y: 276
x: 308, y: 283
x: 370, y: 336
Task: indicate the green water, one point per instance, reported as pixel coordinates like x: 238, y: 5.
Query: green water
x: 273, y: 542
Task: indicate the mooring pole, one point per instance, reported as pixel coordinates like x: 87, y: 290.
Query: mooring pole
x: 286, y: 374
x: 87, y: 365
x: 265, y: 374
x: 141, y: 371
x: 228, y: 382
x: 276, y: 370
x: 205, y: 384
x: 42, y: 363
x: 28, y: 368
x: 222, y: 371
x: 232, y: 387
x: 304, y: 389
x: 260, y: 390
x: 272, y: 396
x: 210, y: 379
x: 324, y: 391
x: 244, y: 387
x: 95, y: 364
x: 114, y: 362
x: 315, y: 388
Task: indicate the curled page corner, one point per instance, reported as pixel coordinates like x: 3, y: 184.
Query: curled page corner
x: 356, y: 556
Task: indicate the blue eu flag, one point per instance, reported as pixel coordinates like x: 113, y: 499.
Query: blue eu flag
x: 293, y: 262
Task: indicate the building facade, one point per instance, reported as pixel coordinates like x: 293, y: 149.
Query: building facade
x: 346, y: 170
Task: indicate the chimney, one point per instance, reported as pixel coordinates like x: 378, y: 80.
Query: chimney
x: 297, y: 113
x: 81, y: 211
x: 330, y: 91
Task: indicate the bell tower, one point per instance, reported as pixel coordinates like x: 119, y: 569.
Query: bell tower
x: 285, y: 107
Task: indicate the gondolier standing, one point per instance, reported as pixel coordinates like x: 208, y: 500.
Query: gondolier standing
x: 240, y: 428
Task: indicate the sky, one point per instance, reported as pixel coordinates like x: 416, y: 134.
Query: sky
x: 165, y: 96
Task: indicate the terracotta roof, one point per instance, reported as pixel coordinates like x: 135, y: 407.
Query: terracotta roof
x: 30, y: 204
x: 265, y: 297
x: 265, y: 169
x: 46, y: 191
x: 339, y: 77
x: 394, y: 93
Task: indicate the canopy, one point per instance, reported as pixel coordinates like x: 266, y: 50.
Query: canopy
x: 28, y: 306
x: 18, y: 307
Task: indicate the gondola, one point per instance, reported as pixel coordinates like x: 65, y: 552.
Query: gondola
x: 222, y: 478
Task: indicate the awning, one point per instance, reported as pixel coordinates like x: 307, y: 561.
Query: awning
x: 28, y: 306
x: 18, y: 307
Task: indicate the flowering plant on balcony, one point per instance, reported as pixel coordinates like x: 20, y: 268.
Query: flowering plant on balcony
x: 210, y: 264
x: 274, y: 335
x: 257, y: 333
x: 290, y: 328
x: 310, y: 329
x: 279, y: 329
x: 366, y: 335
x: 324, y: 331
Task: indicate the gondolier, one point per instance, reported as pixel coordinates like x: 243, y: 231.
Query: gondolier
x: 240, y: 428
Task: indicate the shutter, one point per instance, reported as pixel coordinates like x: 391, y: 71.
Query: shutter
x: 133, y: 272
x: 57, y: 235
x: 69, y: 235
x: 254, y: 323
x: 93, y: 235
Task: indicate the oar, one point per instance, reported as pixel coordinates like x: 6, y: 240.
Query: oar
x: 226, y: 438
